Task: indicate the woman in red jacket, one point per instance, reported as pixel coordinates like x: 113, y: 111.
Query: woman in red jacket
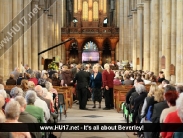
x: 107, y: 80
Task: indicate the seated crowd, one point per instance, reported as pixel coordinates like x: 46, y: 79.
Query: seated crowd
x: 36, y: 99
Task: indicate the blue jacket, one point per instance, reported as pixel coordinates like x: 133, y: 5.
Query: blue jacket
x: 97, y: 81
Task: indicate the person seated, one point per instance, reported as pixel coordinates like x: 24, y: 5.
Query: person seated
x: 12, y: 113
x: 24, y: 85
x: 161, y: 76
x: 174, y: 117
x: 127, y: 80
x: 11, y: 80
x: 179, y: 88
x: 132, y: 90
x: 117, y: 81
x: 25, y: 117
x: 35, y: 111
x: 55, y: 80
x: 148, y: 101
x: 170, y: 97
x: 33, y: 78
x: 42, y: 80
x: 138, y: 100
x: 16, y: 91
x: 147, y: 79
x: 20, y: 78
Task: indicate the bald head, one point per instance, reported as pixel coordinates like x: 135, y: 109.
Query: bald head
x: 39, y: 89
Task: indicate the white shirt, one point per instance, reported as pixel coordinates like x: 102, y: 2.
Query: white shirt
x: 42, y: 104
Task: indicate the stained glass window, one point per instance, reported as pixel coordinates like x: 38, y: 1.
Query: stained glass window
x: 90, y: 46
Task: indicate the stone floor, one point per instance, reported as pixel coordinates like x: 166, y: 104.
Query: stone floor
x: 74, y: 115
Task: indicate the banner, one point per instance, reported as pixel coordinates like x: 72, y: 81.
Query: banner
x: 90, y: 127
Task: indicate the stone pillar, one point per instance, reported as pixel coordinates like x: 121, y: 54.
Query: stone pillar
x: 154, y: 42
x: 173, y: 36
x: 27, y: 37
x: 168, y: 39
x: 121, y: 29
x: 146, y: 35
x: 160, y: 32
x: 126, y: 30
x: 130, y: 56
x: 139, y: 34
x: 178, y: 40
x: 117, y: 52
x: 34, y: 28
x: 163, y: 26
x: 2, y: 14
x: 134, y: 40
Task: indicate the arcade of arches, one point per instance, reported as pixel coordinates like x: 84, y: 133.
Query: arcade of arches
x: 146, y: 32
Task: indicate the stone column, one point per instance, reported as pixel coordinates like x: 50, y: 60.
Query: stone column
x: 2, y: 14
x: 154, y: 42
x: 139, y: 34
x: 134, y: 40
x: 126, y: 30
x: 117, y: 52
x: 146, y: 35
x: 130, y: 56
x: 8, y: 54
x: 160, y: 31
x: 173, y: 36
x: 34, y: 35
x: 168, y: 39
x: 121, y: 29
x: 163, y: 26
x: 178, y: 40
x: 27, y: 37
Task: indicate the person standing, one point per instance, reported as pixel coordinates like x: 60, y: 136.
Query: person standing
x: 107, y: 80
x: 82, y: 79
x: 96, y: 85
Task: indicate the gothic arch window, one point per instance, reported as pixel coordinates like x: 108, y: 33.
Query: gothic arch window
x: 90, y: 46
x: 85, y: 10
x: 95, y: 11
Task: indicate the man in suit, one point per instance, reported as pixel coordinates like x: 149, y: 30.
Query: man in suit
x: 82, y: 79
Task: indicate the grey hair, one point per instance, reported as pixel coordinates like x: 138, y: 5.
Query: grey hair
x: 45, y: 92
x: 179, y: 88
x: 16, y: 91
x: 30, y: 97
x: 48, y: 85
x: 3, y: 93
x: 106, y: 66
x: 21, y: 100
x: 179, y: 105
x: 140, y: 88
x: 12, y: 110
x: 2, y: 101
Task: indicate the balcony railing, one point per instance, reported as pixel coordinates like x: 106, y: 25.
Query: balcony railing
x: 84, y: 30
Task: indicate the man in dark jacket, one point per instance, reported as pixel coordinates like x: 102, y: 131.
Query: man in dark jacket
x: 82, y: 79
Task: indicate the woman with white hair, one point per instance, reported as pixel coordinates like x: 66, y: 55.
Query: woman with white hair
x: 96, y: 85
x: 35, y: 111
x: 12, y: 113
x: 138, y: 100
x: 16, y: 91
x: 107, y: 80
